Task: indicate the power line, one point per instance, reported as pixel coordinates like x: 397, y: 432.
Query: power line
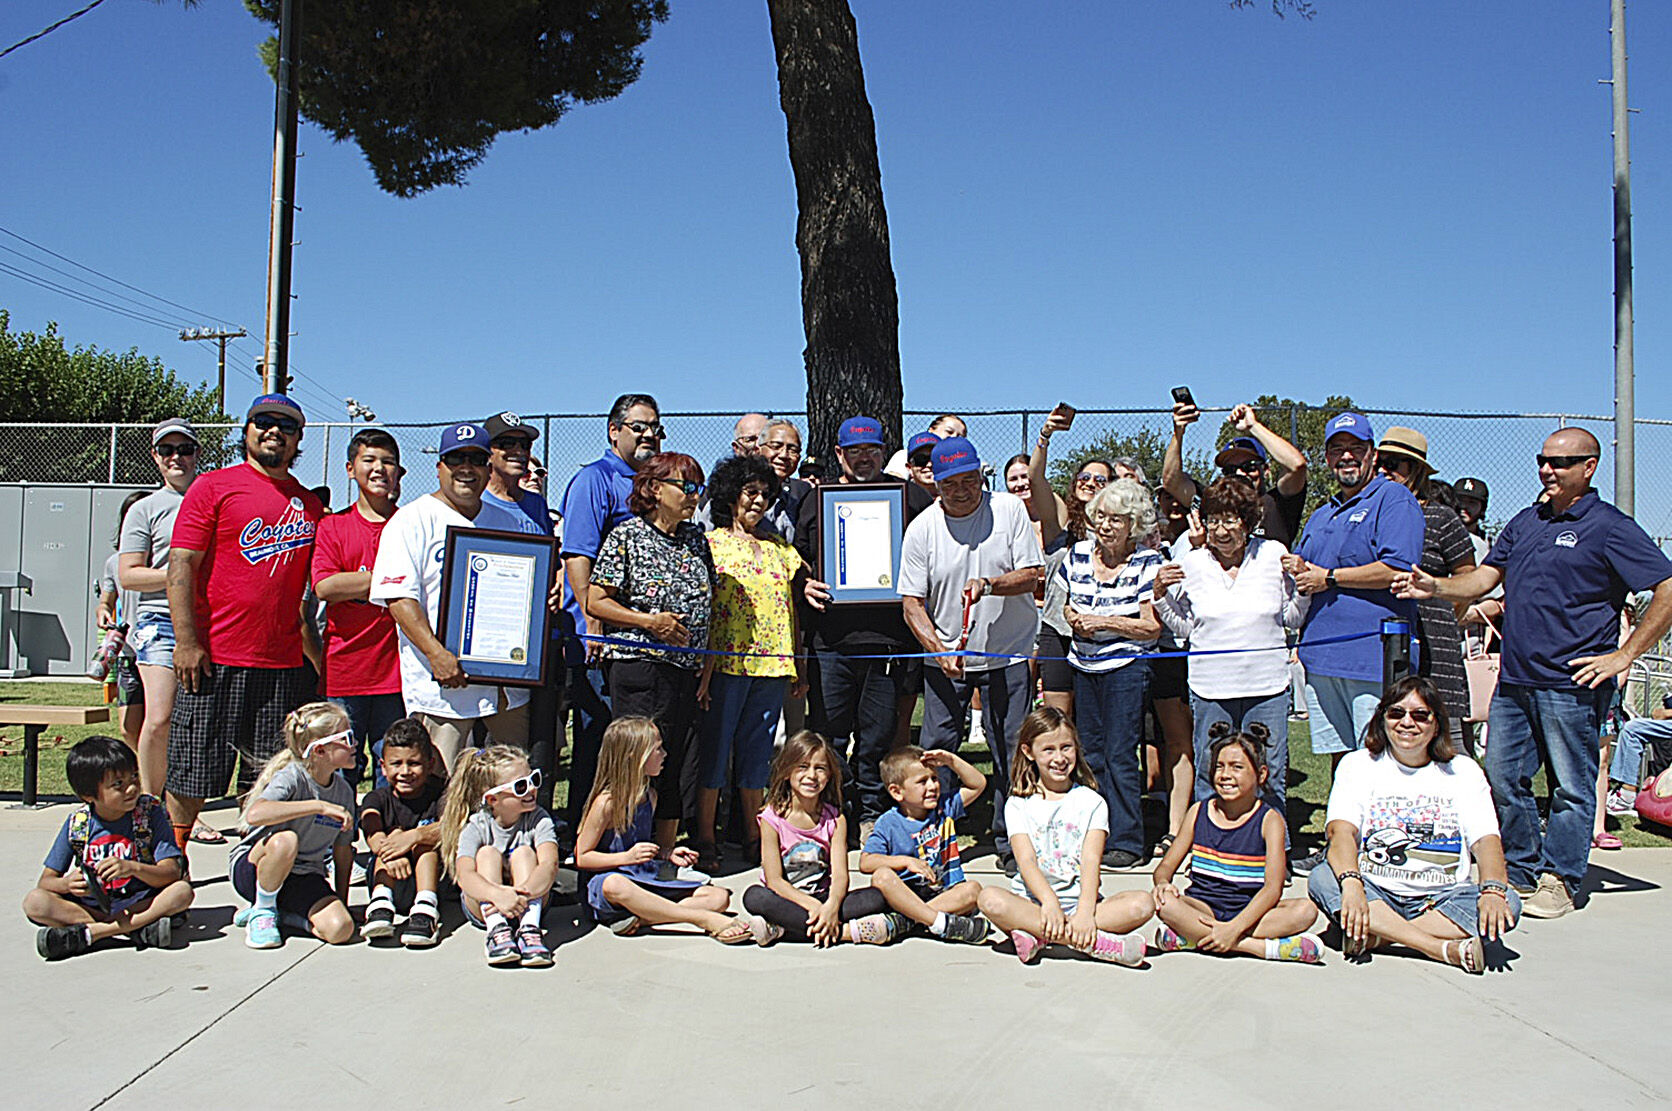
x: 84, y: 298
x: 44, y: 33
x: 74, y: 278
x: 195, y: 313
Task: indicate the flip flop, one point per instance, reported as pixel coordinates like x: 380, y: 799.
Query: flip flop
x: 207, y: 834
x: 1471, y: 955
x: 1607, y: 840
x: 737, y: 933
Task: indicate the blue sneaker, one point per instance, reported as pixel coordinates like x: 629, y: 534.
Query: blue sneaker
x: 535, y: 952
x: 261, y: 928
x: 502, y: 946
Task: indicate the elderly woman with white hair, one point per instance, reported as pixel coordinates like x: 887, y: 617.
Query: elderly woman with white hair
x: 1109, y: 577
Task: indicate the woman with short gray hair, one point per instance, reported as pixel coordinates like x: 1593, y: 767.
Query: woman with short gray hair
x: 1108, y: 578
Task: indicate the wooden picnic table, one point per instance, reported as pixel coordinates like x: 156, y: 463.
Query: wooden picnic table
x: 34, y: 720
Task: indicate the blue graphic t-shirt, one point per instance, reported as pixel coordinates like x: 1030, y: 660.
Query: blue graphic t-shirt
x: 934, y: 840
x: 115, y: 841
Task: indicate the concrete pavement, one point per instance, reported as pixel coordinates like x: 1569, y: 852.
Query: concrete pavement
x: 1572, y: 1019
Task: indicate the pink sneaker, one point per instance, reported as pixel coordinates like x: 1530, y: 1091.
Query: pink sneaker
x: 1127, y: 949
x: 1028, y: 948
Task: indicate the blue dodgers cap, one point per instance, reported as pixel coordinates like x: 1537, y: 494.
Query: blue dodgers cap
x: 953, y: 456
x: 920, y: 441
x: 1355, y: 425
x: 1240, y: 450
x: 277, y: 404
x: 456, y: 436
x: 860, y: 430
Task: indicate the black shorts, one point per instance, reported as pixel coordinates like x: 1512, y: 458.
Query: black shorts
x: 1055, y: 672
x: 236, y: 711
x: 301, y: 892
x: 1169, y: 677
x: 129, y: 690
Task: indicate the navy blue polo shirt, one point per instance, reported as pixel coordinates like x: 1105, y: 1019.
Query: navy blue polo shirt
x: 593, y: 504
x: 1566, y: 577
x: 1382, y: 522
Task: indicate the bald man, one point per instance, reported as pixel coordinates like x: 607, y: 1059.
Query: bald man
x: 1567, y: 565
x: 746, y: 436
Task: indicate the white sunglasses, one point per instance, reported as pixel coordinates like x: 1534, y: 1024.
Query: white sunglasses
x: 346, y: 737
x: 520, y: 786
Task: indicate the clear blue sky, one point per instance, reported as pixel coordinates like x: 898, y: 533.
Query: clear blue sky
x: 1408, y: 202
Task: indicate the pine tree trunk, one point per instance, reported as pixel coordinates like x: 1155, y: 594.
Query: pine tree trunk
x: 849, y: 308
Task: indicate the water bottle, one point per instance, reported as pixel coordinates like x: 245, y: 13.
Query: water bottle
x: 104, y: 658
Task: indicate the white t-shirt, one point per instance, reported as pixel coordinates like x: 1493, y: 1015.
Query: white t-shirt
x: 940, y: 554
x: 1415, y: 824
x: 409, y: 566
x: 1213, y: 611
x: 1056, y: 828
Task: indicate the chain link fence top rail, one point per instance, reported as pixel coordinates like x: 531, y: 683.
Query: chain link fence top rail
x: 1495, y: 447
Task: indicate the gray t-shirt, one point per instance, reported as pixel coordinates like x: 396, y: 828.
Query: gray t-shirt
x: 147, y: 530
x: 316, y: 834
x: 532, y: 830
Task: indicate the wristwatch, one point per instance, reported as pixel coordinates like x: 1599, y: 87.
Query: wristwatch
x: 1329, y: 577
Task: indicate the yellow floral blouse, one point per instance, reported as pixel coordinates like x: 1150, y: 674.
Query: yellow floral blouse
x: 753, y: 603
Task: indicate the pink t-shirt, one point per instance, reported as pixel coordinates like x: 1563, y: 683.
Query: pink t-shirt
x: 805, y: 852
x: 256, y: 535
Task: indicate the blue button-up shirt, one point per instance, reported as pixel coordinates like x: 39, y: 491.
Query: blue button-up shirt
x: 1382, y: 522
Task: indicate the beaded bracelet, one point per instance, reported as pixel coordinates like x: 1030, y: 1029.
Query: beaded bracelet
x: 1343, y: 877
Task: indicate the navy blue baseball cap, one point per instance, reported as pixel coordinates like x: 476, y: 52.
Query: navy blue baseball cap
x: 856, y: 431
x: 277, y: 404
x: 953, y: 456
x: 456, y: 436
x: 920, y: 441
x: 1240, y: 450
x: 1355, y: 425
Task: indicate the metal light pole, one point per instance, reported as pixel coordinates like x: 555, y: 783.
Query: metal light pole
x: 1625, y: 402
x: 275, y: 366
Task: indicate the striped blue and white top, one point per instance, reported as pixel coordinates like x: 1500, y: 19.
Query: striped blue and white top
x: 1119, y: 597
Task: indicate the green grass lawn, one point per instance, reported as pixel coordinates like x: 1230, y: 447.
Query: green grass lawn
x: 1308, y: 774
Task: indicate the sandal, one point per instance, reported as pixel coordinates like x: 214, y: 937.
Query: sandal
x: 1606, y: 840
x: 737, y: 932
x: 205, y: 834
x: 1471, y: 955
x: 1163, y: 845
x: 708, y: 856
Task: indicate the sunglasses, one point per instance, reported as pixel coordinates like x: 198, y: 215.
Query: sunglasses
x: 1398, y: 713
x: 1094, y: 479
x: 1562, y: 462
x: 1395, y: 465
x: 465, y: 459
x: 507, y: 443
x: 520, y: 786
x: 649, y: 430
x: 1252, y: 466
x: 290, y: 426
x: 684, y: 484
x: 345, y: 738
x: 919, y: 460
x: 539, y: 472
x: 184, y: 451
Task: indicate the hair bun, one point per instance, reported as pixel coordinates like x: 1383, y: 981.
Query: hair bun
x: 1257, y: 731
x: 1219, y: 729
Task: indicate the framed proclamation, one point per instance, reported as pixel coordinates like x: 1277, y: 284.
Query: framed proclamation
x: 493, y: 614
x: 860, y: 529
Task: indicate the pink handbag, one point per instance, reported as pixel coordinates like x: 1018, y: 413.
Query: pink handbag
x: 1654, y: 802
x: 1482, y: 671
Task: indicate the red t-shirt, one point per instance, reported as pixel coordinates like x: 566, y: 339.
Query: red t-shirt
x: 361, y: 652
x: 256, y: 534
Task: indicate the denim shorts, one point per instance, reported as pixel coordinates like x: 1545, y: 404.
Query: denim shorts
x: 1458, y: 902
x: 152, y: 639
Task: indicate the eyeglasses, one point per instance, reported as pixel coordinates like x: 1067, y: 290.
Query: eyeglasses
x: 465, y: 459
x: 684, y: 484
x: 184, y: 451
x: 1562, y: 462
x: 1223, y: 524
x: 520, y: 786
x: 290, y: 426
x: 746, y: 441
x: 508, y: 443
x: 775, y: 447
x: 1397, y: 713
x: 1094, y: 479
x: 1353, y: 451
x: 1251, y: 466
x: 650, y: 430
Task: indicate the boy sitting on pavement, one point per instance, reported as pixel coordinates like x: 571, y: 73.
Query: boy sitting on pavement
x: 114, y: 868
x: 911, y: 854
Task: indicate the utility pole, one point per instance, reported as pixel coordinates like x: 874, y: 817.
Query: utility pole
x: 220, y: 336
x: 275, y: 365
x: 1625, y: 401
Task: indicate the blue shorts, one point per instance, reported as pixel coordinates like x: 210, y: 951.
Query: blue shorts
x: 1457, y: 903
x: 152, y: 639
x: 1339, y: 711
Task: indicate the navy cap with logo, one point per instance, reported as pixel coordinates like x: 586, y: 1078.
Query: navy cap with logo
x: 456, y: 436
x: 501, y: 423
x: 1356, y: 425
x: 277, y: 404
x: 953, y: 456
x: 857, y: 431
x: 1240, y: 450
x: 1470, y: 488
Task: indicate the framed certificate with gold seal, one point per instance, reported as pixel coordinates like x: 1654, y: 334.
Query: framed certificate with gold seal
x: 860, y: 529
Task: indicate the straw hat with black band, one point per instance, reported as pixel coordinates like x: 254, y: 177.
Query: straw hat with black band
x: 1407, y: 443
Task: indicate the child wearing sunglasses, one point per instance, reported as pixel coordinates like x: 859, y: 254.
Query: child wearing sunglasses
x: 300, y: 816
x: 501, y: 847
x: 402, y: 823
x: 634, y: 881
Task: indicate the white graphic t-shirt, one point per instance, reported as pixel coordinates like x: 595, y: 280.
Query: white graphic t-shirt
x: 1056, y: 828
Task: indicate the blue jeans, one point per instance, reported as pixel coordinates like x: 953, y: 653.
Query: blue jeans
x: 1459, y: 903
x: 1109, y: 709
x: 1006, y: 698
x: 856, y: 698
x: 1637, y: 734
x: 1339, y: 710
x: 1271, y: 711
x: 742, y: 716
x: 370, y: 716
x: 1558, y: 728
